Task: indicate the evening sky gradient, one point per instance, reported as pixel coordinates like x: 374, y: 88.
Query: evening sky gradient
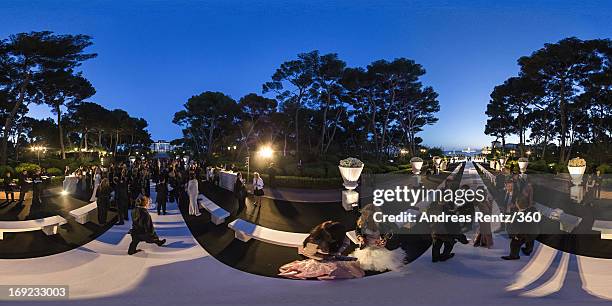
x: 154, y: 55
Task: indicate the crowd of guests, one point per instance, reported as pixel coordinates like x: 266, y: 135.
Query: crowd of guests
x: 128, y: 186
x: 23, y: 183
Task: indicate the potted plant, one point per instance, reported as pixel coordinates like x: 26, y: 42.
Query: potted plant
x: 350, y: 169
x: 576, y: 167
x: 522, y: 163
x: 416, y: 163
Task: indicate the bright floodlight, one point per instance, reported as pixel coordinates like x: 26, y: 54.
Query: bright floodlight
x: 64, y: 192
x: 266, y: 152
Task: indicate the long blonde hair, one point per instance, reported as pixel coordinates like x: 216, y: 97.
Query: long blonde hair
x: 366, y: 219
x: 143, y: 201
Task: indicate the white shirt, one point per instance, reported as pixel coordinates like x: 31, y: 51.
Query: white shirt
x: 258, y: 183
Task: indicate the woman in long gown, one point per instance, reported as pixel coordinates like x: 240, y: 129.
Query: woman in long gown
x: 372, y: 254
x: 192, y: 192
x: 485, y: 236
x: 97, y: 180
x: 323, y: 249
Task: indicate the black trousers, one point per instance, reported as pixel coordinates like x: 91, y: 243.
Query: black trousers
x: 122, y: 208
x: 102, y: 213
x: 22, y: 194
x: 9, y: 192
x: 138, y: 238
x: 36, y: 195
x: 437, y: 246
x: 161, y: 207
x: 241, y: 203
x: 516, y: 243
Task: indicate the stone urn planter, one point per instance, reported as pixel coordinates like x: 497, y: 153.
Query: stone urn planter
x: 417, y: 164
x: 522, y: 163
x: 492, y: 164
x: 576, y: 167
x: 350, y: 169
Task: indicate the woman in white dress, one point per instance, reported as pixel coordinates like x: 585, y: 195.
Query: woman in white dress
x: 192, y: 192
x: 258, y: 185
x: 372, y: 255
x: 97, y: 180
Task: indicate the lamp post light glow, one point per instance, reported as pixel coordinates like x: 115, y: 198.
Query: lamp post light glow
x: 38, y: 149
x: 266, y: 152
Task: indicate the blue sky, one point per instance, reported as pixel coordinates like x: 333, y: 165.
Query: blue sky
x: 153, y: 55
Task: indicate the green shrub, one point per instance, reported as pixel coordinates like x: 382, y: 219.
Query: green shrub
x: 605, y: 168
x: 4, y: 169
x: 306, y: 182
x: 313, y: 172
x: 389, y: 168
x: 55, y: 172
x: 29, y: 167
x: 404, y: 166
x: 539, y: 165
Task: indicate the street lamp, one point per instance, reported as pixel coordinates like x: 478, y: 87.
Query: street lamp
x: 266, y: 152
x: 38, y: 149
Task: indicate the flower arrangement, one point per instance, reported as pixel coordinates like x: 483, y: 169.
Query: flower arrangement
x: 416, y: 159
x: 351, y: 162
x: 523, y: 160
x: 576, y: 162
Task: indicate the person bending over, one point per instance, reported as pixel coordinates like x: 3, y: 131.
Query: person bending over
x: 522, y: 233
x: 142, y: 226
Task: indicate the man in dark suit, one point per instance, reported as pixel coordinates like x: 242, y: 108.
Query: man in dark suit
x: 23, y: 186
x: 37, y: 187
x: 522, y: 233
x: 161, y: 190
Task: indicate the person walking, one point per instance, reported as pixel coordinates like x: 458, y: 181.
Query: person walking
x: 8, y: 186
x: 37, y: 188
x: 161, y: 190
x: 240, y: 193
x: 522, y: 233
x: 192, y: 192
x: 142, y: 226
x: 23, y: 186
x: 258, y: 185
x: 97, y: 179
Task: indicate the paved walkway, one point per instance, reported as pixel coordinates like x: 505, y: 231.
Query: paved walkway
x: 300, y: 195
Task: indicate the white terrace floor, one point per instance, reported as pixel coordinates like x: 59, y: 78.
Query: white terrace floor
x: 182, y: 273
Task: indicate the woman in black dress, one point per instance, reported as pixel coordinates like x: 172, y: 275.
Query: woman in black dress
x: 103, y: 195
x: 240, y: 193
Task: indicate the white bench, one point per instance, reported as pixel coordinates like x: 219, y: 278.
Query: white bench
x: 48, y: 225
x: 244, y: 231
x: 605, y: 227
x: 217, y: 214
x: 81, y: 214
